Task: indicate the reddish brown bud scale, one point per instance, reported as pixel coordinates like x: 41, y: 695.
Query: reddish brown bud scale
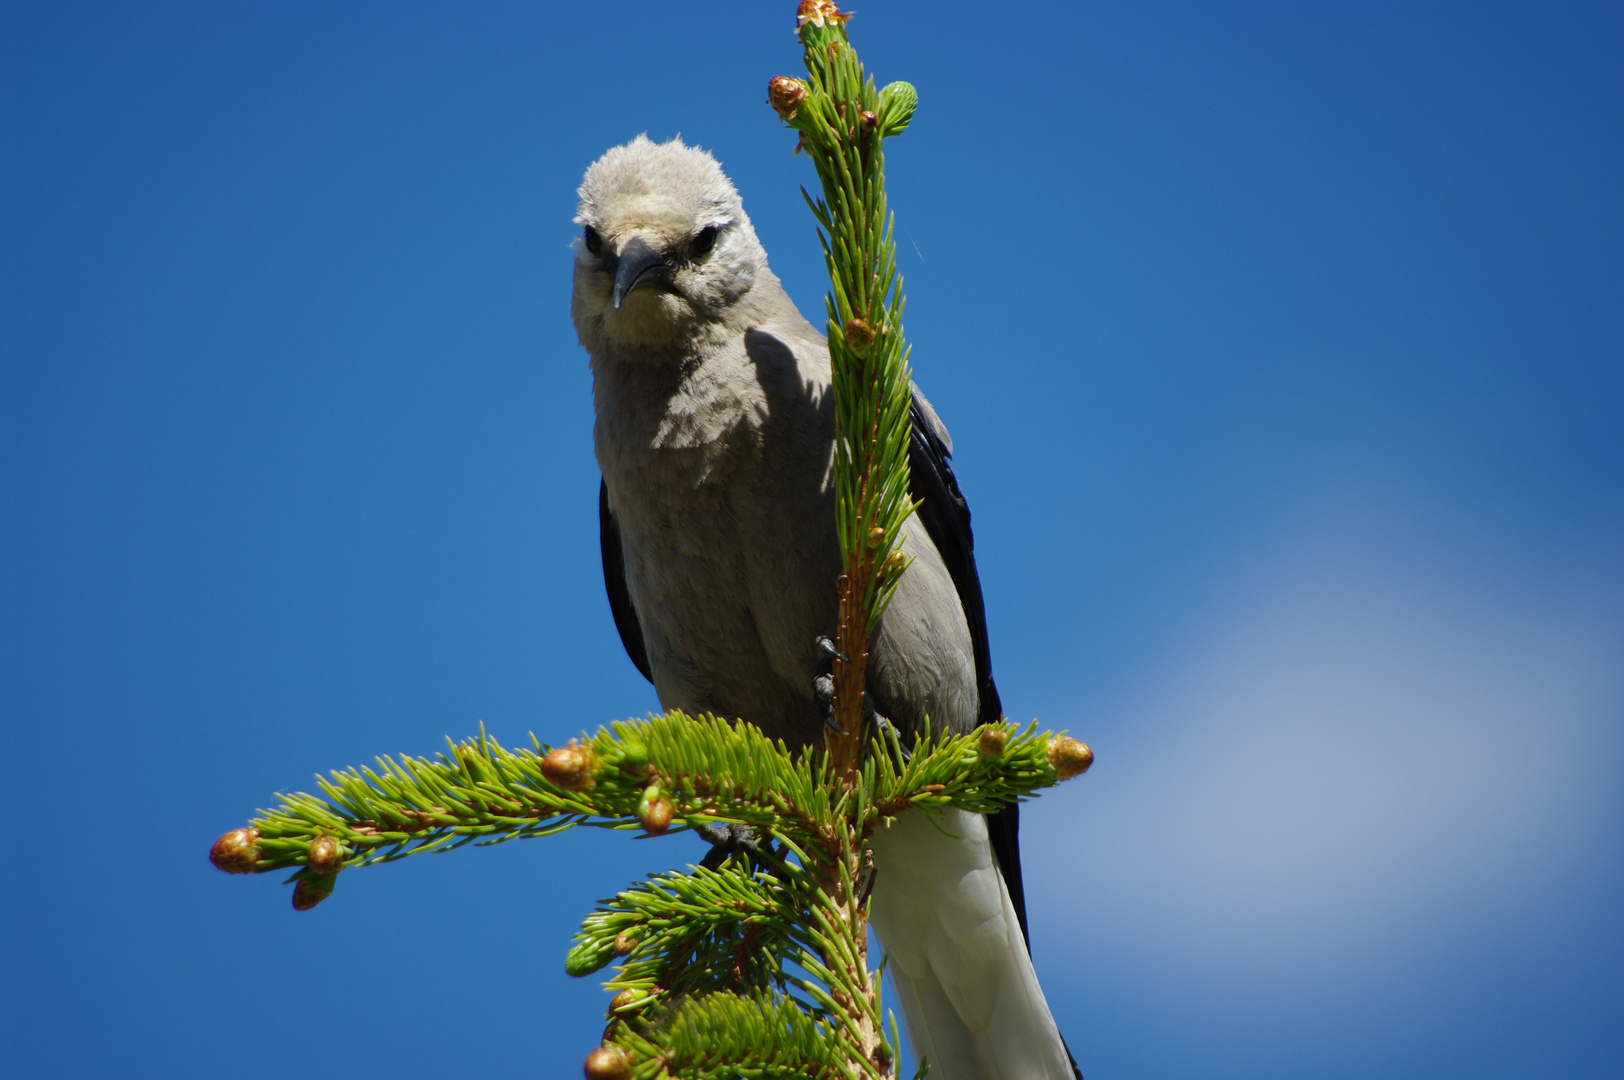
x: 993, y: 740
x: 785, y: 95
x: 624, y: 943
x: 570, y: 766
x: 870, y: 120
x: 326, y: 855
x: 607, y: 1063
x: 819, y: 13
x: 237, y: 852
x: 1069, y: 757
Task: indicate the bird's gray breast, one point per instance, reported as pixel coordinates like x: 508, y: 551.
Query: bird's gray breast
x: 718, y: 471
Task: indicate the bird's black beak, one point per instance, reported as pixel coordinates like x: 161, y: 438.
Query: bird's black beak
x: 639, y: 263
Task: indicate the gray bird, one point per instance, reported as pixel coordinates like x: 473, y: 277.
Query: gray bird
x: 715, y: 427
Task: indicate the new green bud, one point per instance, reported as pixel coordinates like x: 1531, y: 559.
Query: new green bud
x: 633, y: 755
x: 586, y: 957
x: 897, y: 104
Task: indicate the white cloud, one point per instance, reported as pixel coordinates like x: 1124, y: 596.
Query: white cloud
x: 1383, y: 740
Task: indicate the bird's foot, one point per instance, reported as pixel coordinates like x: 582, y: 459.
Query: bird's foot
x: 823, y: 682
x: 881, y: 723
x: 827, y: 646
x: 726, y: 840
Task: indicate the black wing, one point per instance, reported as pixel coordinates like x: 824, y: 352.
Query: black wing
x: 946, y: 517
x: 614, y: 581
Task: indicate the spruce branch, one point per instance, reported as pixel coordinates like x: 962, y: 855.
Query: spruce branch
x: 843, y: 121
x: 707, y: 769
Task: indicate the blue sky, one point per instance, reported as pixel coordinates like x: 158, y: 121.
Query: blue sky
x: 1283, y: 349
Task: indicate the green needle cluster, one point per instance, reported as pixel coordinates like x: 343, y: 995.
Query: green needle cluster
x: 704, y: 770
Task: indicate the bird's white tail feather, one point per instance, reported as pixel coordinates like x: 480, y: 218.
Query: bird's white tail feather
x: 970, y: 999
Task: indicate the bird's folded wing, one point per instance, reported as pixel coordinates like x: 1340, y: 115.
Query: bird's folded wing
x: 969, y: 995
x: 614, y: 582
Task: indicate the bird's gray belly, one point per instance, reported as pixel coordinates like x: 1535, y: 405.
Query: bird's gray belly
x: 733, y: 587
x: 732, y: 603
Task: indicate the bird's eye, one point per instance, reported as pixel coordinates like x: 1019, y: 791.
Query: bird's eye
x: 594, y: 242
x: 704, y: 241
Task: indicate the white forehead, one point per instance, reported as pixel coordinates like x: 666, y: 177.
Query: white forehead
x: 664, y: 185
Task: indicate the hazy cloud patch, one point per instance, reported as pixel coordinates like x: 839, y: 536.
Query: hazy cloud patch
x: 1383, y: 747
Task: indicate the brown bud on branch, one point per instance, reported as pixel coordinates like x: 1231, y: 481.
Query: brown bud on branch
x: 655, y: 811
x: 607, y: 1063
x: 625, y: 1001
x: 859, y: 335
x: 326, y: 855
x: 237, y: 852
x: 570, y: 767
x: 1069, y: 757
x: 785, y: 95
x: 993, y: 740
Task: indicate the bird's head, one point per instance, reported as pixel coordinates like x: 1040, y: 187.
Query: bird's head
x: 665, y: 245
